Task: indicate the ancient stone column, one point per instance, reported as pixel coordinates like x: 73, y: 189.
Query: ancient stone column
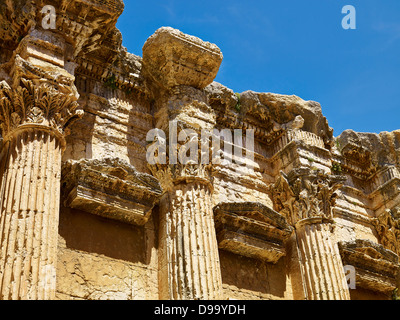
x: 178, y: 68
x: 189, y: 259
x: 306, y: 197
x: 189, y: 267
x: 33, y: 119
x: 321, y: 262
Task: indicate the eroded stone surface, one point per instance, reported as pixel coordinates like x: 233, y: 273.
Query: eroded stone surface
x: 172, y: 58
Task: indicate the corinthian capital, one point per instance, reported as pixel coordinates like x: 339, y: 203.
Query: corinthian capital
x: 306, y: 194
x: 31, y: 104
x: 388, y: 229
x: 170, y: 175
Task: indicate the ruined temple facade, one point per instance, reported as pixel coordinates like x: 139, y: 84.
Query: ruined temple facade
x: 84, y: 215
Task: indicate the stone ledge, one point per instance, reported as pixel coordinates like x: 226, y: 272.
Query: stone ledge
x: 377, y: 268
x: 110, y: 188
x: 252, y: 230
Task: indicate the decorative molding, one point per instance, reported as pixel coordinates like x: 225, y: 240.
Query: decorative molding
x: 110, y: 188
x: 357, y: 153
x: 306, y: 194
x: 251, y: 229
x: 388, y: 229
x: 41, y: 105
x: 377, y: 268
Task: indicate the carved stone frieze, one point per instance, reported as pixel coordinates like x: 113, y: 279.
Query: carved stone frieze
x: 356, y: 153
x: 85, y: 23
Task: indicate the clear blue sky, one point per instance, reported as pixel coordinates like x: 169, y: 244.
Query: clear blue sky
x: 293, y: 47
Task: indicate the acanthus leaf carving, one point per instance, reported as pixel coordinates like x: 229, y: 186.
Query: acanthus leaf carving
x: 36, y: 104
x: 169, y: 175
x: 388, y: 229
x: 305, y: 194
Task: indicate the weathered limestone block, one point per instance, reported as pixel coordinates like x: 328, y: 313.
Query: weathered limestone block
x: 222, y: 95
x: 382, y: 149
x: 172, y: 58
x: 252, y: 279
x: 87, y: 24
x: 187, y: 106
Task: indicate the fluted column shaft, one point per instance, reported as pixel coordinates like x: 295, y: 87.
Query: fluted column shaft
x: 189, y: 259
x: 306, y: 197
x: 29, y: 198
x: 322, y: 267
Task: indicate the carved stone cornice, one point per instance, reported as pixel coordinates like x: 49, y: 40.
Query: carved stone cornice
x: 110, y: 188
x: 306, y: 194
x: 349, y: 166
x: 31, y: 104
x: 357, y: 154
x: 251, y: 229
x: 16, y: 18
x: 388, y: 229
x: 85, y: 24
x: 377, y: 268
x: 127, y: 78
